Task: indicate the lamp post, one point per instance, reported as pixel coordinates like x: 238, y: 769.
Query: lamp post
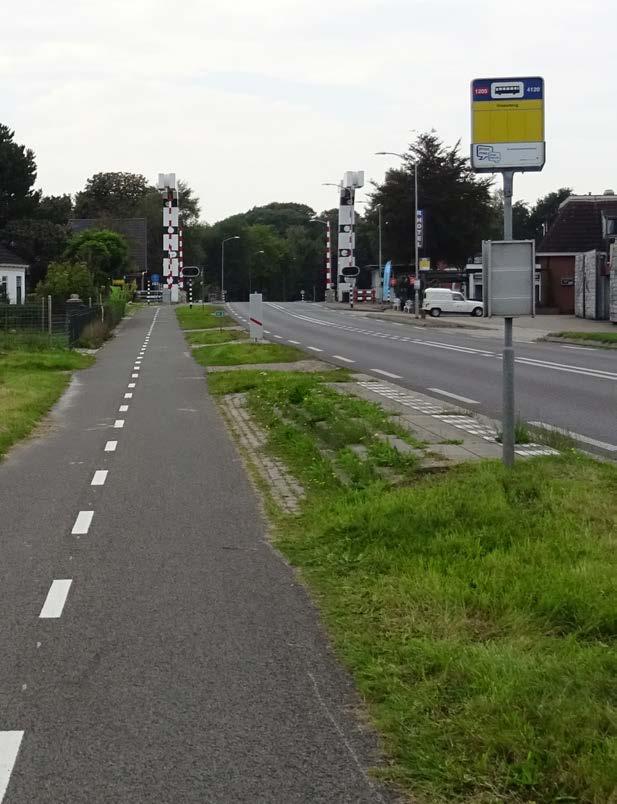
x: 261, y: 251
x: 416, y: 284
x: 233, y: 237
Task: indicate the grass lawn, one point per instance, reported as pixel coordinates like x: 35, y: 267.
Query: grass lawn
x: 202, y: 317
x: 477, y: 610
x: 33, y: 375
x: 594, y: 337
x: 246, y: 353
x: 215, y: 336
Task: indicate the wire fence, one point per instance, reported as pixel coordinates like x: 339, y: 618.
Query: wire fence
x: 66, y: 324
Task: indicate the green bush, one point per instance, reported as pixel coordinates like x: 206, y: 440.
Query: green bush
x: 65, y: 278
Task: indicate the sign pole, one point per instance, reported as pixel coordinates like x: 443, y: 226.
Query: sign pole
x: 508, y: 347
x: 416, y: 284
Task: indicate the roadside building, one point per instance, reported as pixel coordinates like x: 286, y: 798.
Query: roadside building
x: 573, y: 256
x: 13, y: 272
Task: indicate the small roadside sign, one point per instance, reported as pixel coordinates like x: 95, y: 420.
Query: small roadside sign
x: 425, y: 264
x: 256, y: 321
x: 218, y: 313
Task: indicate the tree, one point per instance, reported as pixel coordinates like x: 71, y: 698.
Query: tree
x: 545, y: 210
x: 65, y: 278
x: 54, y: 208
x: 522, y: 228
x: 36, y: 241
x: 456, y: 203
x: 189, y: 205
x: 111, y: 195
x: 106, y: 253
x: 17, y: 176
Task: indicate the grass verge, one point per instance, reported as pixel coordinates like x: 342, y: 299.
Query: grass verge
x: 203, y: 338
x: 202, y: 317
x: 32, y: 378
x: 477, y: 610
x: 593, y: 337
x: 241, y: 354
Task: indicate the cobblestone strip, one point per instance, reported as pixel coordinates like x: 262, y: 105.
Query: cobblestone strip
x: 285, y: 489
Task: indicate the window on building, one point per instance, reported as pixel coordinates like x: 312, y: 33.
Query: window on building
x: 18, y: 289
x: 4, y: 289
x: 610, y: 226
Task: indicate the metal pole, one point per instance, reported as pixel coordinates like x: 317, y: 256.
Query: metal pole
x: 43, y: 314
x: 508, y: 348
x: 223, y: 271
x: 380, y: 260
x: 190, y: 294
x: 49, y: 323
x: 416, y: 286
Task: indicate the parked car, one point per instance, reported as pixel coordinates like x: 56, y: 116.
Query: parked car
x: 441, y: 300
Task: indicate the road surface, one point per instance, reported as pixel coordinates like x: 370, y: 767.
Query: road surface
x: 153, y: 647
x: 570, y: 387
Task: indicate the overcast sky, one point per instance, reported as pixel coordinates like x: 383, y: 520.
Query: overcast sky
x: 255, y: 101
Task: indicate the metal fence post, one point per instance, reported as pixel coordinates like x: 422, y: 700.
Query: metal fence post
x: 49, y: 322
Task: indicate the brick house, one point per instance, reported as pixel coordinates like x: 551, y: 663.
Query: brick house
x: 584, y: 223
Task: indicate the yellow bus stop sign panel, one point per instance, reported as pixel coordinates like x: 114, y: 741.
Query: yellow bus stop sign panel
x: 507, y: 124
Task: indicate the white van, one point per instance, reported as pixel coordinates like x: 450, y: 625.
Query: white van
x: 442, y: 300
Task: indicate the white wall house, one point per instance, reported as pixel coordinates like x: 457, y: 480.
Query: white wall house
x: 13, y: 276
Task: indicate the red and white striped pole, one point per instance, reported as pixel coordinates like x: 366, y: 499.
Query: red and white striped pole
x: 328, y: 256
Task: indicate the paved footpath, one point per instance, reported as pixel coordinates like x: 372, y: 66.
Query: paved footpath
x: 153, y: 646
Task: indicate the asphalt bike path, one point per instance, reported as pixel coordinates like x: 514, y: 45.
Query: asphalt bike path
x: 153, y: 646
x: 570, y: 387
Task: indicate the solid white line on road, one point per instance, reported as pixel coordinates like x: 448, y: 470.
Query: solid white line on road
x: 576, y: 436
x: 119, y: 424
x: 128, y: 395
x: 314, y: 349
x: 585, y: 372
x: 55, y: 600
x: 454, y: 396
x: 110, y: 446
x: 387, y: 374
x: 82, y: 523
x: 99, y: 477
x: 9, y: 748
x: 344, y: 359
x: 131, y: 385
x: 123, y: 408
x: 297, y: 343
x: 579, y: 348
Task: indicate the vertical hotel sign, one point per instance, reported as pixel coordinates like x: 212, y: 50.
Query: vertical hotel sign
x: 507, y: 124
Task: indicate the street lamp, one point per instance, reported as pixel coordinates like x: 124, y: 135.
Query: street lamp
x: 261, y: 251
x: 233, y: 237
x: 415, y: 218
